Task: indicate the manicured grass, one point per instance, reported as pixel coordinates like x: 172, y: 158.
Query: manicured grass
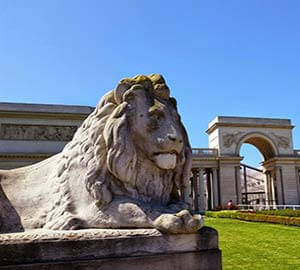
x: 252, y: 245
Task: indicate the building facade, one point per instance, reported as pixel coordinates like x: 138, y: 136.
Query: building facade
x: 32, y: 132
x: 221, y: 163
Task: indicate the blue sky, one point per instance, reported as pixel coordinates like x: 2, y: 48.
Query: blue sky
x: 236, y: 58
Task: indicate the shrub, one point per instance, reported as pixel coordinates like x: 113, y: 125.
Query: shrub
x: 283, y: 212
x: 252, y: 216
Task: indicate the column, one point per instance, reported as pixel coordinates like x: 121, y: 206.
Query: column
x: 245, y: 184
x: 209, y: 199
x: 297, y: 183
x: 238, y: 185
x: 279, y: 186
x: 215, y: 188
x: 201, y: 203
x: 272, y: 186
x: 266, y: 187
x: 188, y: 191
x: 195, y: 192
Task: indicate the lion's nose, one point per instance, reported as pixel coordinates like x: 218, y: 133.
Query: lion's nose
x: 174, y: 138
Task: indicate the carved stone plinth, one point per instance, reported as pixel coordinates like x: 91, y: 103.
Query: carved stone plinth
x: 110, y: 249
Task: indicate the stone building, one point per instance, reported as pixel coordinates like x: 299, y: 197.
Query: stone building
x: 32, y: 132
x: 221, y: 162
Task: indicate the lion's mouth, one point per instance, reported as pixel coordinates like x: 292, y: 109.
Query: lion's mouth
x: 165, y: 161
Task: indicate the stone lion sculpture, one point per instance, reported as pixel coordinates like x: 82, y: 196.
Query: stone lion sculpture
x: 128, y: 166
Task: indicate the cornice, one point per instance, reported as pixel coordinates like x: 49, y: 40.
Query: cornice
x: 41, y: 115
x: 216, y: 125
x: 25, y: 155
x: 281, y: 159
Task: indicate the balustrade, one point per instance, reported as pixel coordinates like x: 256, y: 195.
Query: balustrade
x: 204, y: 152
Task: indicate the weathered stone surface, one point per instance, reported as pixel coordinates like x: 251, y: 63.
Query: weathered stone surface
x: 128, y: 166
x: 9, y: 218
x: 110, y: 249
x: 36, y: 132
x: 197, y: 260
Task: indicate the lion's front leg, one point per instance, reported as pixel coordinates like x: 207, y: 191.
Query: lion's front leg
x: 125, y: 213
x: 120, y: 213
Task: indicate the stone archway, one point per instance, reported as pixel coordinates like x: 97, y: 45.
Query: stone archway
x: 267, y: 192
x: 273, y: 138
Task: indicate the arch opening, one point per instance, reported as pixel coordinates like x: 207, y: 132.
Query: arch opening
x: 251, y: 175
x: 264, y: 145
x: 251, y: 155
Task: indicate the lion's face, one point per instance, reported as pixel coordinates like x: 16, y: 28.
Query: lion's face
x: 144, y: 137
x: 155, y: 128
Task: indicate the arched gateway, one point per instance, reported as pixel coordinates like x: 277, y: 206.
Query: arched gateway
x: 216, y: 171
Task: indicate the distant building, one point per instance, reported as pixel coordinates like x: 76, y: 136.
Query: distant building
x: 221, y: 165
x: 32, y: 132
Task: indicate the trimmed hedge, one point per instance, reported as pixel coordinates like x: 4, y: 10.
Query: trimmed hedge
x: 252, y: 216
x: 282, y: 212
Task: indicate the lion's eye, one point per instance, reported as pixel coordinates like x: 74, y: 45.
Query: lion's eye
x: 156, y: 113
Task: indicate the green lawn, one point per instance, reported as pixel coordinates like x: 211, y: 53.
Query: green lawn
x: 253, y: 245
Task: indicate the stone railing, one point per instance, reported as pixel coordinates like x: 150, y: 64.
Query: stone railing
x: 267, y: 207
x: 297, y: 152
x: 204, y: 152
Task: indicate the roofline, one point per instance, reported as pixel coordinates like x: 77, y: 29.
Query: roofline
x: 256, y: 122
x: 10, y: 107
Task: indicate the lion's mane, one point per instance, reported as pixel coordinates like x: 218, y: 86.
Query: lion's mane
x: 106, y: 154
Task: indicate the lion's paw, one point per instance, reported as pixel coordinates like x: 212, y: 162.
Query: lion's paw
x: 182, y: 222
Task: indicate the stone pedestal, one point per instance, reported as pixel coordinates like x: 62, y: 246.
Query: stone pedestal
x: 97, y: 249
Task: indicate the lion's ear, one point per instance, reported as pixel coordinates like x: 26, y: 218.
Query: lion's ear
x: 122, y: 87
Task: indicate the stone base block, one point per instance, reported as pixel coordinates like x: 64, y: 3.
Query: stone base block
x: 138, y: 249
